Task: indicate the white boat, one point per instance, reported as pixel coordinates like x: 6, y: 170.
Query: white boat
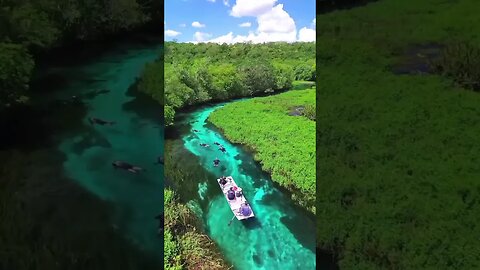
x: 235, y: 198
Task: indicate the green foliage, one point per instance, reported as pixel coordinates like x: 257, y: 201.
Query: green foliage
x: 284, y: 144
x: 258, y: 78
x: 283, y: 75
x: 461, y: 61
x: 397, y: 154
x: 16, y: 66
x: 184, y: 246
x: 310, y: 112
x: 152, y: 81
x: 31, y: 26
x: 305, y: 72
x: 171, y: 257
x: 197, y: 73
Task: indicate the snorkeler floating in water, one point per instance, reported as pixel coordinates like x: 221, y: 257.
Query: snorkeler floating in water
x: 126, y: 166
x: 216, y: 162
x: 94, y: 120
x: 216, y: 143
x: 195, y: 130
x: 160, y: 160
x: 204, y: 145
x: 222, y: 149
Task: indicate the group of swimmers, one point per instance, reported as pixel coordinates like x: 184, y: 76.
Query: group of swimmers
x: 216, y: 162
x: 119, y: 164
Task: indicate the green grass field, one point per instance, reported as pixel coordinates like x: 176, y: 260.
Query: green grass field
x: 283, y: 144
x: 398, y: 155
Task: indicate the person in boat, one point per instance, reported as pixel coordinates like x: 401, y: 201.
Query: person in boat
x: 160, y: 160
x: 223, y: 180
x: 216, y: 162
x: 231, y: 194
x: 126, y: 166
x: 204, y: 145
x: 245, y: 209
x: 94, y: 120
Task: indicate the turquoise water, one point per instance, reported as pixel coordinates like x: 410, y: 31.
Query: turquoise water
x: 137, y: 137
x: 282, y: 236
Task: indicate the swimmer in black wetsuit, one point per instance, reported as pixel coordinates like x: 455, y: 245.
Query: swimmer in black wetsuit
x: 126, y: 166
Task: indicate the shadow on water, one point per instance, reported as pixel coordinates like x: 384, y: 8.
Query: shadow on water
x: 143, y: 105
x: 251, y: 224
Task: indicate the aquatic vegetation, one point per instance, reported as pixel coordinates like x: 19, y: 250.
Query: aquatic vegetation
x: 185, y: 247
x: 397, y: 154
x: 461, y: 61
x: 284, y: 145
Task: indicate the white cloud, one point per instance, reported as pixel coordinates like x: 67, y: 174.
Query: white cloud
x: 201, y: 37
x: 306, y: 34
x: 172, y: 33
x: 182, y: 25
x: 274, y: 24
x: 197, y: 24
x: 225, y: 2
x: 245, y: 24
x: 314, y: 23
x: 213, y: 1
x: 276, y: 20
x: 251, y: 7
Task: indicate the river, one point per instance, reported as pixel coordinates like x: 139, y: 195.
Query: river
x: 282, y: 235
x: 101, y: 84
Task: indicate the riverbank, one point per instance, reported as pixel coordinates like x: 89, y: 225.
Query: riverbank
x: 186, y: 244
x: 397, y: 150
x: 35, y: 31
x: 276, y: 215
x: 281, y: 132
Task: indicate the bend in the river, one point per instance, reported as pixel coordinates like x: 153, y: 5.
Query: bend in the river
x: 280, y: 237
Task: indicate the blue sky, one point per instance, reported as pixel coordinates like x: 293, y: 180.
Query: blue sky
x: 220, y: 20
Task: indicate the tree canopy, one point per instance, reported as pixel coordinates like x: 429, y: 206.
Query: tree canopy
x: 197, y: 73
x: 30, y: 26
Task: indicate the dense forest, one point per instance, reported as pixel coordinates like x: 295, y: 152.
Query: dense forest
x: 281, y: 131
x: 30, y: 27
x: 198, y: 73
x: 397, y: 149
